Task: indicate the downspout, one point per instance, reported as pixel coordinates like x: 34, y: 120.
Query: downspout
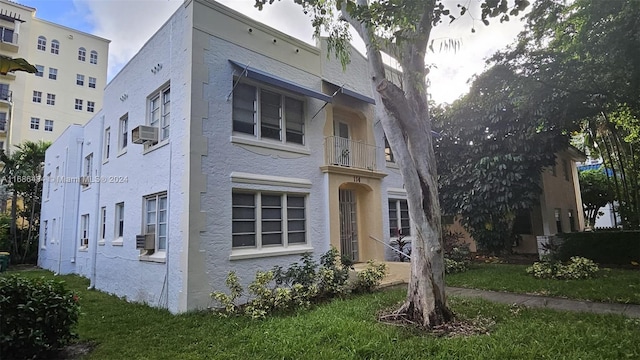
x: 96, y: 223
x: 80, y: 142
x: 64, y: 206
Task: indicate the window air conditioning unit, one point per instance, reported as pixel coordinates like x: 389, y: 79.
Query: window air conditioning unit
x: 142, y: 134
x: 146, y: 241
x: 84, y: 242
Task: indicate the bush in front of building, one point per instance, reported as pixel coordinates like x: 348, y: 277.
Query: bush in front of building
x: 37, y: 316
x: 577, y: 268
x: 606, y: 247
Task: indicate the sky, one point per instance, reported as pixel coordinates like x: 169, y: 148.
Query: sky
x: 130, y: 23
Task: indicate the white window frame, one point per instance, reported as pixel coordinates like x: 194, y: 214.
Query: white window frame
x: 54, y: 231
x: 91, y: 106
x: 3, y: 121
x: 107, y: 145
x: 79, y: 79
x: 37, y: 97
x: 93, y: 57
x: 103, y: 224
x: 45, y: 231
x: 92, y: 82
x: 257, y: 113
x: 51, y: 99
x: 78, y: 104
x: 159, y: 111
x: 40, y: 70
x: 84, y: 231
x: 258, y: 220
x: 53, y: 73
x: 118, y: 228
x: 87, y: 169
x: 82, y: 54
x: 160, y: 247
x: 123, y: 135
x: 397, y: 204
x: 35, y: 123
x: 48, y: 125
x: 55, y: 47
x: 42, y: 43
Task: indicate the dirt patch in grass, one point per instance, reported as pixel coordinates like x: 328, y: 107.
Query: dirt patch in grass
x: 75, y: 351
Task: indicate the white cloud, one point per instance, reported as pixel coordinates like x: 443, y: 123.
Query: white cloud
x: 130, y: 23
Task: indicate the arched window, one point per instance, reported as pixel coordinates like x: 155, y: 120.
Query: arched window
x: 93, y: 57
x: 42, y: 43
x: 82, y: 54
x: 55, y: 47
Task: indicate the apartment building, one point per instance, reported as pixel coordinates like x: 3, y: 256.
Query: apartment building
x: 69, y: 86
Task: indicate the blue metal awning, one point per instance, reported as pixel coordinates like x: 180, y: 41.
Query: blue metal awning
x: 274, y: 80
x: 351, y: 93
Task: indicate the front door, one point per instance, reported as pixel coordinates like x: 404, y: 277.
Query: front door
x: 348, y: 225
x: 342, y: 143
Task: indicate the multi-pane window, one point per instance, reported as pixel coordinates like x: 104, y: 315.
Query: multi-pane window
x: 80, y: 79
x: 93, y: 57
x: 557, y: 215
x: 91, y: 105
x: 48, y: 125
x: 55, y: 47
x: 388, y: 154
x: 267, y: 114
x: 53, y: 73
x: 268, y: 219
x: 78, y: 105
x: 37, y: 96
x: 119, y: 220
x: 3, y: 121
x: 87, y: 170
x: 399, y: 224
x: 103, y: 222
x: 35, y: 123
x: 51, y: 99
x: 92, y: 82
x: 45, y: 231
x: 5, y: 93
x: 40, y: 70
x: 48, y: 184
x: 160, y: 112
x: 107, y: 144
x: 42, y: 43
x: 7, y: 35
x: 122, y: 133
x: 155, y: 219
x: 82, y: 54
x: 84, y: 230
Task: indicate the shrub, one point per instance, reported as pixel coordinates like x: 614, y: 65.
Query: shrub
x: 368, y: 279
x: 38, y: 316
x: 577, y: 268
x: 604, y: 247
x: 453, y: 266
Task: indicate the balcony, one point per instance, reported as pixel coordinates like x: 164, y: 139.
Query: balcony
x: 348, y: 153
x: 8, y: 40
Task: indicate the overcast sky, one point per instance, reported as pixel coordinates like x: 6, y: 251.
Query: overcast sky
x: 130, y: 23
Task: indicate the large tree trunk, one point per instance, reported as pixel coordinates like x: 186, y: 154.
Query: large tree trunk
x: 405, y: 119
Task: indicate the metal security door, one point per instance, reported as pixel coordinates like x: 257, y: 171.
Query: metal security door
x: 348, y: 225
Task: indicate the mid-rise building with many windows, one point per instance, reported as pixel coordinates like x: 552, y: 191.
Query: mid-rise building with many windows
x: 72, y: 71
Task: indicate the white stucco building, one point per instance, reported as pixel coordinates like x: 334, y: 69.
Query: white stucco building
x: 68, y: 88
x: 259, y: 156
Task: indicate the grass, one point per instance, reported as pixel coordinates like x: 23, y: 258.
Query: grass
x: 611, y: 285
x: 344, y: 329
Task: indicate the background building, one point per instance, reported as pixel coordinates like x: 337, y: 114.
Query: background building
x: 68, y: 89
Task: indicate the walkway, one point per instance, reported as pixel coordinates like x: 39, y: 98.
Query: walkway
x: 398, y: 273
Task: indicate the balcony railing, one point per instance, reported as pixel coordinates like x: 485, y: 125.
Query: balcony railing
x: 345, y: 152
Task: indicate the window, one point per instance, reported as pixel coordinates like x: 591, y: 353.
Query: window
x: 388, y: 154
x: 556, y: 215
x: 91, y: 105
x: 55, y: 47
x: 8, y: 35
x: 35, y: 123
x: 87, y: 170
x: 103, y: 222
x: 5, y: 93
x: 93, y: 57
x: 82, y: 54
x: 3, y: 121
x: 37, y: 96
x: 565, y: 169
x: 47, y: 183
x: 159, y: 112
x: 84, y: 231
x: 53, y: 73
x: 264, y: 114
x: 399, y: 218
x: 48, y: 125
x: 107, y: 144
x: 80, y: 79
x: 119, y: 220
x: 54, y: 231
x: 42, y: 43
x: 40, y: 71
x: 92, y: 82
x: 122, y: 134
x: 268, y: 219
x: 572, y: 220
x: 155, y: 219
x: 51, y: 99
x: 45, y: 230
x: 522, y: 223
x: 78, y: 104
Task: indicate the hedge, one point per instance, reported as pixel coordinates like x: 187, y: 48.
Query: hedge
x: 608, y: 247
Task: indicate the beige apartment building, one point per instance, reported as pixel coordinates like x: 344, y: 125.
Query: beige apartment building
x: 69, y: 86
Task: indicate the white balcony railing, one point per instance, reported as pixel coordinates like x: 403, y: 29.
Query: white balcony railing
x: 345, y: 152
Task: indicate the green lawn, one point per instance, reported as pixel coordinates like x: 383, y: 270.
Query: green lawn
x: 611, y: 285
x: 344, y: 329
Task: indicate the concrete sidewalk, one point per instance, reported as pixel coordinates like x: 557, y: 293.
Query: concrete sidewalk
x: 535, y: 301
